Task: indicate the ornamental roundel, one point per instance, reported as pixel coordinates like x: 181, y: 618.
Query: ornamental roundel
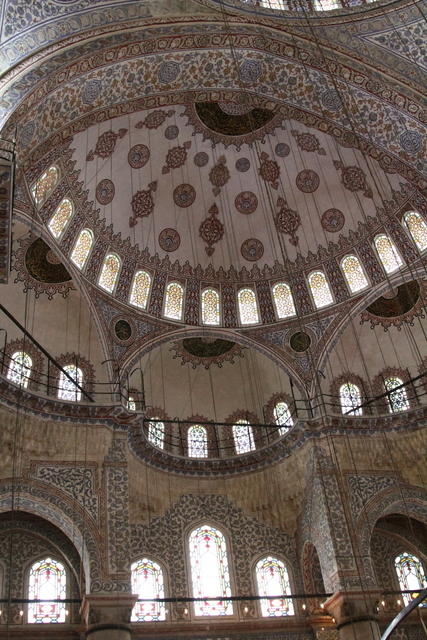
x: 211, y: 230
x: 252, y: 249
x: 269, y: 170
x: 250, y: 70
x: 176, y: 157
x: 300, y: 341
x: 91, y: 91
x: 333, y: 220
x: 353, y: 178
x: 168, y: 71
x: 282, y: 149
x: 169, y: 239
x: 219, y: 175
x: 287, y: 220
x: 105, y: 144
x: 105, y: 191
x: 331, y: 100
x: 308, y: 142
x: 201, y: 159
x: 138, y: 156
x: 154, y: 119
x: 171, y: 132
x: 411, y: 141
x: 246, y: 202
x: 243, y: 165
x: 142, y: 203
x: 184, y: 195
x: 307, y: 181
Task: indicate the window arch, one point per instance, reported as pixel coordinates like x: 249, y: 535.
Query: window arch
x: 148, y: 582
x: 243, y: 437
x: 19, y: 370
x: 44, y: 186
x: 282, y: 417
x: 174, y: 301
x: 350, y: 399
x: 140, y: 289
x: 273, y: 580
x: 398, y: 399
x: 109, y: 272
x: 248, y: 310
x: 283, y: 300
x: 197, y: 439
x: 47, y: 581
x: 156, y: 433
x: 410, y: 574
x: 210, y: 307
x: 67, y: 390
x: 417, y: 227
x: 82, y: 248
x: 354, y: 274
x: 388, y: 254
x: 61, y: 218
x: 210, y: 575
x: 320, y: 289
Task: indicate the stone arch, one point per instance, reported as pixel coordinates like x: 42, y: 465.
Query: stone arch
x: 312, y: 575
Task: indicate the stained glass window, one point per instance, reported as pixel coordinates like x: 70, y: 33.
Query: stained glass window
x: 283, y: 300
x: 273, y: 580
x: 140, y: 289
x: 397, y: 400
x: 210, y: 307
x: 410, y: 574
x: 67, y: 390
x: 354, y: 274
x: 197, y: 438
x: 388, y: 254
x: 47, y: 581
x: 417, y: 227
x: 350, y: 399
x: 174, y: 300
x: 82, y: 248
x: 109, y: 272
x: 131, y: 404
x: 19, y: 370
x: 156, y: 433
x: 148, y: 582
x: 243, y: 437
x: 320, y: 290
x: 282, y: 417
x: 45, y: 185
x: 273, y: 4
x: 209, y: 571
x: 248, y: 310
x: 60, y: 218
x: 326, y: 5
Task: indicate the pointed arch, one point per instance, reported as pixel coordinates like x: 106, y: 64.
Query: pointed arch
x: 417, y: 227
x: 47, y: 581
x: 140, y: 289
x: 110, y: 272
x: 211, y: 307
x: 174, y: 301
x: 66, y: 389
x: 283, y: 300
x: 61, y: 217
x: 243, y: 437
x: 148, y: 581
x: 197, y: 440
x: 248, y: 309
x: 82, y: 248
x: 350, y: 399
x: 272, y: 579
x: 44, y: 185
x: 410, y: 574
x: 320, y: 290
x: 19, y: 370
x: 354, y: 273
x: 387, y: 253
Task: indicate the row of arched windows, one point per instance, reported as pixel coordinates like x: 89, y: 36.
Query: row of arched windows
x: 351, y: 397
x: 319, y: 287
x: 210, y: 579
x: 19, y: 372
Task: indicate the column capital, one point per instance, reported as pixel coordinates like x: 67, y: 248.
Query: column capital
x: 353, y: 606
x: 101, y: 609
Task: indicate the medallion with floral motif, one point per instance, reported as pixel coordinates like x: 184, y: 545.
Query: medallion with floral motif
x: 333, y: 220
x: 138, y: 156
x: 287, y: 221
x: 154, y: 119
x: 353, y: 179
x: 105, y: 191
x: 252, y: 249
x: 176, y: 157
x: 142, y: 203
x: 308, y: 142
x: 184, y: 195
x: 307, y: 181
x: 211, y: 230
x: 269, y: 170
x: 106, y: 144
x: 219, y: 175
x: 169, y: 239
x: 246, y: 202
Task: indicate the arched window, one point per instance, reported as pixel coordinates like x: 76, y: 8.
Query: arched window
x: 417, y: 227
x: 273, y: 580
x: 148, y: 582
x: 60, y: 218
x: 197, y: 438
x: 82, y: 248
x: 210, y: 307
x: 156, y: 433
x: 209, y: 571
x: 174, y: 300
x: 248, y: 310
x: 109, y: 272
x: 131, y: 404
x: 243, y: 437
x: 398, y: 399
x: 282, y: 417
x: 283, y: 300
x: 140, y: 289
x: 47, y: 581
x: 44, y: 186
x: 388, y: 253
x: 19, y: 370
x: 350, y: 399
x: 67, y: 390
x: 354, y: 273
x: 410, y: 574
x: 320, y: 290
x: 326, y: 5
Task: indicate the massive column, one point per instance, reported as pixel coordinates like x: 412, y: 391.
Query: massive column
x: 108, y: 615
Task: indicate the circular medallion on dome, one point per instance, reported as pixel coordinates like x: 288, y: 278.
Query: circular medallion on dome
x: 332, y: 220
x: 331, y: 100
x: 300, y: 341
x: 201, y: 159
x: 168, y: 71
x: 282, y: 149
x: 243, y: 165
x: 105, y: 191
x: 138, y: 156
x: 246, y: 202
x: 307, y: 181
x: 123, y: 330
x: 252, y: 249
x: 411, y: 141
x: 171, y: 132
x: 169, y: 239
x: 250, y: 70
x: 91, y: 90
x: 184, y: 195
